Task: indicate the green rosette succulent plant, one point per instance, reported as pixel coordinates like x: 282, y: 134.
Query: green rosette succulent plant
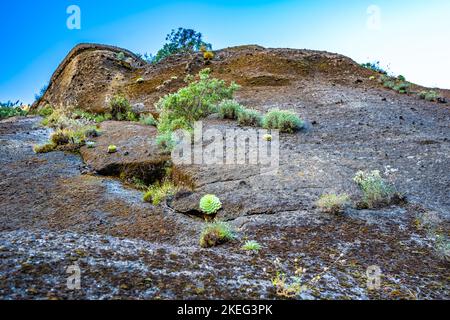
x: 112, y: 149
x: 210, y: 204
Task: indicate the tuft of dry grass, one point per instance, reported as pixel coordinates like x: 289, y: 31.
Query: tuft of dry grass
x: 333, y: 203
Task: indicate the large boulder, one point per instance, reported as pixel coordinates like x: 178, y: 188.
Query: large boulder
x: 88, y: 77
x: 91, y: 74
x: 137, y: 156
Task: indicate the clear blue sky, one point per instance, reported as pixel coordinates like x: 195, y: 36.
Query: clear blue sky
x: 412, y: 37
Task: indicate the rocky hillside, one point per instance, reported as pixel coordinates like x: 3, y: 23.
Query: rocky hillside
x: 70, y: 208
x: 91, y: 74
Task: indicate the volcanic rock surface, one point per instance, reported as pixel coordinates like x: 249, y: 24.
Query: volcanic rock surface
x: 59, y: 209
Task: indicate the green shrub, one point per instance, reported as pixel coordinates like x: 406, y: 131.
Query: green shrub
x: 81, y: 114
x: 44, y: 148
x: 74, y: 137
x: 376, y: 191
x: 120, y: 56
x: 429, y: 95
x: 88, y: 116
x: 131, y: 116
x: 389, y: 84
x: 58, y: 119
x: 166, y: 124
x: 197, y: 100
x: 80, y: 134
x: 148, y: 120
x: 139, y: 184
x: 120, y: 108
x: 248, y: 117
x: 398, y: 84
x: 11, y: 109
x: 77, y: 135
x: 99, y: 118
x: 402, y: 87
x: 45, y: 111
x: 251, y: 245
x: 229, y: 109
x: 72, y: 128
x: 94, y: 117
x: 210, y: 204
x: 216, y: 233
x: 332, y: 203
x: 166, y: 140
x: 159, y: 192
x: 285, y: 121
x: 60, y: 137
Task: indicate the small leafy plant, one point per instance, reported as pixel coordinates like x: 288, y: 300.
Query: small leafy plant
x: 159, y: 192
x: 97, y: 118
x: 332, y: 203
x: 442, y: 247
x: 251, y: 245
x: 60, y: 137
x: 120, y: 109
x: 432, y: 224
x: 376, y: 191
x: 248, y: 117
x: 90, y: 144
x: 294, y: 285
x: 283, y: 120
x: 44, y: 148
x: 429, y: 95
x: 45, y: 111
x: 229, y: 109
x: 73, y: 138
x: 59, y: 119
x: 120, y: 56
x: 216, y: 233
x: 402, y: 87
x: 148, y: 120
x: 210, y: 204
x: 398, y: 84
x: 166, y: 141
